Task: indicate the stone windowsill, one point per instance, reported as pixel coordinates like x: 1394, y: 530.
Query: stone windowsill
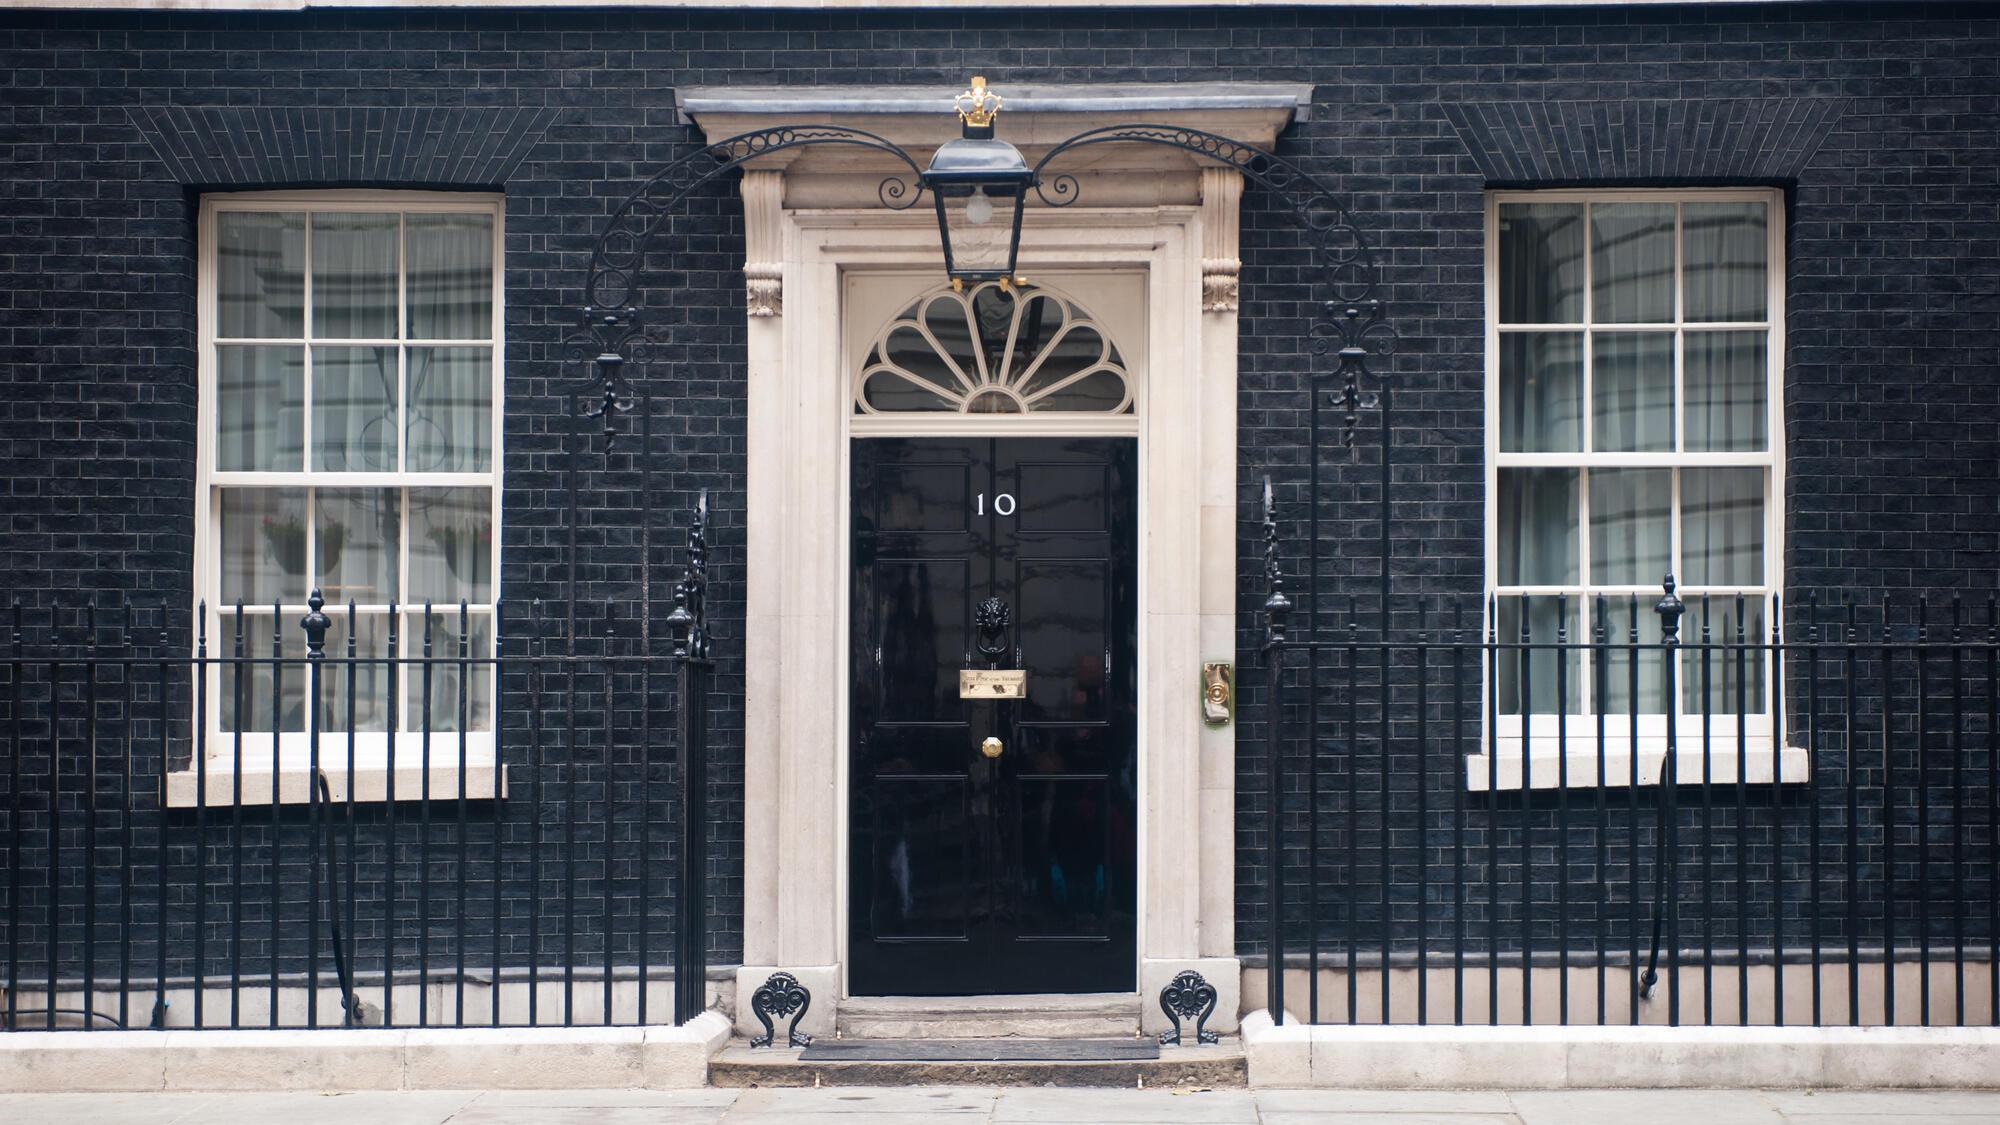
x: 1544, y: 767
x: 367, y: 782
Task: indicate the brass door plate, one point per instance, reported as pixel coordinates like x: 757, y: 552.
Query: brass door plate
x: 1218, y: 693
x: 993, y: 683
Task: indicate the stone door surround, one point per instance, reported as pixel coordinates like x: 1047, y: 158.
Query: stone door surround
x: 812, y: 216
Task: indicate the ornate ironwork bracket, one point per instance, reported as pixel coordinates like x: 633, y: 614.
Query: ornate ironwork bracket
x: 688, y: 623
x: 1188, y: 996
x: 781, y: 996
x: 1277, y: 607
x: 1352, y: 324
x: 611, y: 321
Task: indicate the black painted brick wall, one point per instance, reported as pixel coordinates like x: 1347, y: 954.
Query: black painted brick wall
x: 1893, y: 398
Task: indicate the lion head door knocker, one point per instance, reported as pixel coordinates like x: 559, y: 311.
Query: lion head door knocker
x: 991, y: 618
x: 781, y: 996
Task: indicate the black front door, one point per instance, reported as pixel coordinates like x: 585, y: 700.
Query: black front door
x: 978, y: 867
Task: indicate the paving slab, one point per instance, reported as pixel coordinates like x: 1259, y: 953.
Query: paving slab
x: 102, y: 1109
x: 611, y: 1099
x: 1126, y: 1107
x: 1383, y: 1101
x: 405, y: 1107
x: 1644, y: 1107
x: 1368, y: 1118
x: 1883, y: 1119
x: 587, y: 1115
x: 1937, y: 1103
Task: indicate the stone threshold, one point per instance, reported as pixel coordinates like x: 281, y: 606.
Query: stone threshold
x: 1607, y: 1058
x: 660, y: 1058
x: 1213, y: 1066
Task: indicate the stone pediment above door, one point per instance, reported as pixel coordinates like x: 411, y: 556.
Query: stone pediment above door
x: 1034, y: 118
x: 1127, y: 175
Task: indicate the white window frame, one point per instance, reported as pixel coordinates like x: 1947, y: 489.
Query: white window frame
x: 277, y: 768
x: 1536, y: 760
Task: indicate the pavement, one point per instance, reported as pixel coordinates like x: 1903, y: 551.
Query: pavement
x: 1039, y: 1106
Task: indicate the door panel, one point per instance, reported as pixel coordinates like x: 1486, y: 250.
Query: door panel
x: 972, y: 874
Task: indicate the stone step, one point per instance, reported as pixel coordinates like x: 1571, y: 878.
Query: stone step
x: 1210, y: 1067
x: 1085, y: 1016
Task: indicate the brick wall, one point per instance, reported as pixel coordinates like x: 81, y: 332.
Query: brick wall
x: 1893, y: 401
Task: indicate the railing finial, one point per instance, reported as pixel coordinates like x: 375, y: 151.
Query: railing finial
x: 315, y: 623
x: 688, y: 623
x: 1671, y: 609
x: 1276, y: 605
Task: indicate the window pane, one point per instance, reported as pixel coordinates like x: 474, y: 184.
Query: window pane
x: 354, y: 409
x: 354, y: 275
x: 263, y: 541
x: 1632, y: 391
x: 1726, y: 379
x: 261, y: 687
x: 1542, y: 689
x: 1538, y: 520
x: 1620, y: 668
x: 451, y: 410
x: 260, y: 264
x: 1098, y: 391
x: 1722, y: 526
x: 1728, y: 666
x: 1724, y: 261
x: 358, y: 532
x: 1541, y: 263
x: 1541, y: 392
x: 450, y: 276
x: 446, y: 702
x: 1631, y: 521
x: 1632, y: 261
x: 451, y: 545
x: 889, y: 392
x: 260, y: 409
x: 369, y: 681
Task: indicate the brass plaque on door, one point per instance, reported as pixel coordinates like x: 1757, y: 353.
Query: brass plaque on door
x: 993, y: 683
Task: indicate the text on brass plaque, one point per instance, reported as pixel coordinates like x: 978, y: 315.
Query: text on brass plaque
x: 993, y: 683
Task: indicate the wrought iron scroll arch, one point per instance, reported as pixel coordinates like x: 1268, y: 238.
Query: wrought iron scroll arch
x: 1352, y: 323
x: 611, y: 329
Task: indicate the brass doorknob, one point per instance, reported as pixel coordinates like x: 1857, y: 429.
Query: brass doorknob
x: 992, y: 747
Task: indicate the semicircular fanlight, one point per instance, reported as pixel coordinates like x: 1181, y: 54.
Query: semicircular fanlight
x: 993, y: 350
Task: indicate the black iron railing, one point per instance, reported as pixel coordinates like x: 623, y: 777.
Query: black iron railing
x: 1495, y: 816
x: 507, y: 835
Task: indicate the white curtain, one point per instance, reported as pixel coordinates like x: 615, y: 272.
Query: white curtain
x: 450, y: 418
x: 449, y: 276
x: 1725, y: 261
x: 260, y: 274
x: 1541, y: 263
x: 1726, y: 391
x: 1632, y: 262
x: 1632, y: 391
x: 354, y: 409
x: 1541, y: 392
x: 354, y: 275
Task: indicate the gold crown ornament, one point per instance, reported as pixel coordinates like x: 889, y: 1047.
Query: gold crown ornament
x: 978, y: 106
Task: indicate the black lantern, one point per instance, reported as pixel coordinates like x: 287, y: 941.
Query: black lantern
x: 971, y: 179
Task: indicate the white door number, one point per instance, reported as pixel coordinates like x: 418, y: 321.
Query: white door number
x: 1003, y: 504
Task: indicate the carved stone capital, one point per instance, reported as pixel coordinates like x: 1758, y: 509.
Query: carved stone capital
x: 1218, y: 284
x: 765, y: 283
x: 763, y: 268
x: 1221, y: 223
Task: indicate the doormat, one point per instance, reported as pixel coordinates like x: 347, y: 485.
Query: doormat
x: 980, y: 1050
